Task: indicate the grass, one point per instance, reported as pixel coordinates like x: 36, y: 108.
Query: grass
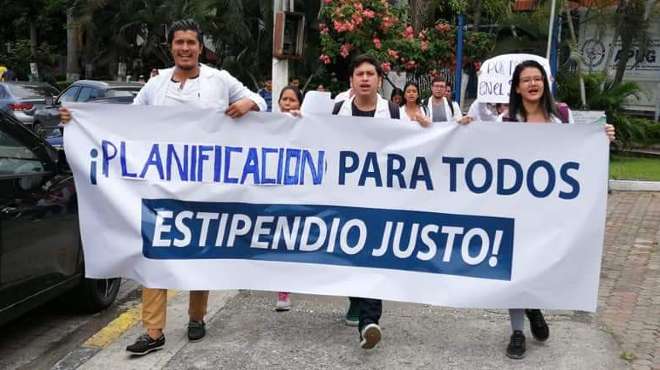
x: 634, y: 168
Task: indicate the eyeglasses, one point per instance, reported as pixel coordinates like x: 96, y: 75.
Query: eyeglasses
x: 528, y: 80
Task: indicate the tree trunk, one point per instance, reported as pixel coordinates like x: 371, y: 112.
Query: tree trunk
x: 33, y: 39
x: 72, y: 47
x: 418, y: 11
x: 633, y: 12
x: 615, y: 37
x: 569, y: 19
x: 477, y: 14
x: 626, y: 41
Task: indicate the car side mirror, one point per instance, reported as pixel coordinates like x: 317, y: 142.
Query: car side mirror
x: 50, y: 100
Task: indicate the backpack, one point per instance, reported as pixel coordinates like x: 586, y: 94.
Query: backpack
x: 394, y: 109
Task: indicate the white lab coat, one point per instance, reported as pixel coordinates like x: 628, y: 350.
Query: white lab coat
x: 382, y: 108
x: 482, y: 112
x: 217, y: 89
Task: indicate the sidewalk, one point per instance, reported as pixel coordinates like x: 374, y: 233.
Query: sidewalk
x: 245, y: 333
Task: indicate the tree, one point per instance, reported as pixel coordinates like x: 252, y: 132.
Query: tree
x: 631, y: 19
x: 374, y: 27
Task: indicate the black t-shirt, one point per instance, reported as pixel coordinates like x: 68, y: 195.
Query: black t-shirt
x: 360, y: 113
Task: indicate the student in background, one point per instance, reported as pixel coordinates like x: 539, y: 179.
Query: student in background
x: 397, y: 96
x: 411, y: 106
x: 290, y: 102
x: 438, y: 106
x: 450, y: 98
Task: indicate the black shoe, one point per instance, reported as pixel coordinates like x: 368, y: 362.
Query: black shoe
x: 537, y: 323
x: 145, y: 344
x: 196, y: 330
x: 516, y: 347
x: 370, y: 336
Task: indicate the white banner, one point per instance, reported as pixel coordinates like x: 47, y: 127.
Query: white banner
x: 495, y: 74
x: 484, y: 215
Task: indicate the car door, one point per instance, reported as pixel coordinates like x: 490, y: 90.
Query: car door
x: 4, y: 98
x: 49, y: 117
x: 39, y: 243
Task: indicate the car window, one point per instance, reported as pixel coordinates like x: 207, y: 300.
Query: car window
x: 69, y: 94
x: 16, y: 158
x: 86, y: 94
x: 126, y: 91
x: 3, y: 93
x: 29, y: 91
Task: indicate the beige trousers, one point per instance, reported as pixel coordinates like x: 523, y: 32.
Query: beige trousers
x: 154, y: 306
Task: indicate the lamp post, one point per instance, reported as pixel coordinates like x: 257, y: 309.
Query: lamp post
x: 280, y: 69
x: 459, y: 59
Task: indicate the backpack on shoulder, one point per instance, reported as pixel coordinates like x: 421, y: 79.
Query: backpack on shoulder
x: 394, y: 109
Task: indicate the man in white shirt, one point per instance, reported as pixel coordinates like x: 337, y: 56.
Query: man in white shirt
x: 193, y: 84
x: 438, y: 107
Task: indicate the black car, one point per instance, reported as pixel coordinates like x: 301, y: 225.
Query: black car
x: 40, y: 247
x: 47, y: 118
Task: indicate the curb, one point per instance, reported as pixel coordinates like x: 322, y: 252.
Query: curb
x: 631, y: 185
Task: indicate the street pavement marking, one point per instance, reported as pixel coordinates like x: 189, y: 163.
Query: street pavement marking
x: 118, y: 326
x: 114, y: 355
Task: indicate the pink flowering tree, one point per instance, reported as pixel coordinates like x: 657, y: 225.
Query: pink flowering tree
x: 350, y: 27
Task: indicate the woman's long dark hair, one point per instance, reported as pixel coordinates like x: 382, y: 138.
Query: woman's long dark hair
x: 515, y: 100
x: 419, y: 93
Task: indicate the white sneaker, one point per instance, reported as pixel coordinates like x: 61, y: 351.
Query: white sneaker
x: 370, y: 335
x: 283, y: 302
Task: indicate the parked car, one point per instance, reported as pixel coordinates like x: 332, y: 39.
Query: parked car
x: 55, y: 137
x: 22, y: 99
x: 40, y: 249
x: 47, y: 118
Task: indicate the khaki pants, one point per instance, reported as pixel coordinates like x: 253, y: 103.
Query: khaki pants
x: 154, y: 306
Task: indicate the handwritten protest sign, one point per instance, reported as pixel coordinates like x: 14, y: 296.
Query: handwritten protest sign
x: 495, y: 76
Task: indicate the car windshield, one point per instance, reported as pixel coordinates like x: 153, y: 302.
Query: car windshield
x: 28, y: 91
x: 122, y: 91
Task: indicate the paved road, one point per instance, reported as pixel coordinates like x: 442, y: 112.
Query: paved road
x: 244, y: 332
x: 42, y: 337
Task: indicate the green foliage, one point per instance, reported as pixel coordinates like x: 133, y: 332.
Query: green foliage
x: 373, y: 26
x: 634, y: 168
x: 19, y: 56
x: 603, y: 94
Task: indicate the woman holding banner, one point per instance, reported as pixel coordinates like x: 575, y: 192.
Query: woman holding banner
x: 289, y: 102
x: 411, y: 106
x: 530, y: 101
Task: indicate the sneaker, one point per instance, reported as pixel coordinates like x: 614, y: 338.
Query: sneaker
x: 283, y: 302
x: 370, y: 336
x: 538, y: 326
x: 145, y: 344
x: 516, y: 347
x: 196, y: 330
x: 352, y: 315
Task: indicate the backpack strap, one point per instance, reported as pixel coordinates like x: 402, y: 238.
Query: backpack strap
x: 394, y: 111
x: 562, y: 109
x: 337, y: 107
x: 450, y: 103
